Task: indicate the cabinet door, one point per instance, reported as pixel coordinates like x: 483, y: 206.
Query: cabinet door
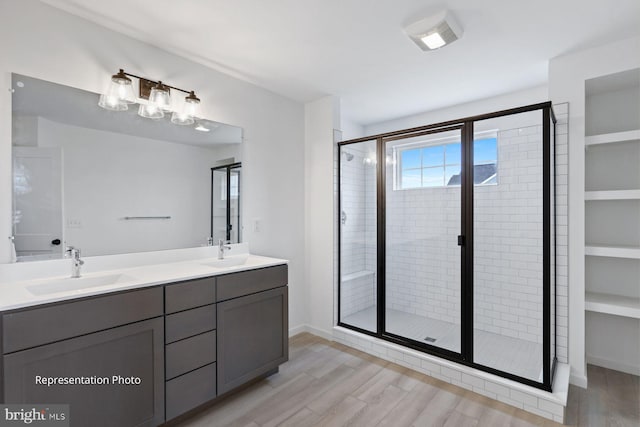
x: 135, y: 350
x: 252, y: 337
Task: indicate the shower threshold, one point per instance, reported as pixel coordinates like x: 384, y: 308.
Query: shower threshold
x: 509, y: 354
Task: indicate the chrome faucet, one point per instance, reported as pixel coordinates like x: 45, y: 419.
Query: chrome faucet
x: 222, y: 247
x: 209, y: 241
x: 76, y: 262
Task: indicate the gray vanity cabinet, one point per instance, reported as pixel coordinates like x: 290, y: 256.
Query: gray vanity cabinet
x: 252, y: 329
x: 188, y: 342
x: 115, y: 357
x: 190, y: 345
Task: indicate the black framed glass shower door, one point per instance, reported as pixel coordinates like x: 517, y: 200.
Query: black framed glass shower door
x: 423, y: 221
x: 225, y: 203
x: 446, y: 240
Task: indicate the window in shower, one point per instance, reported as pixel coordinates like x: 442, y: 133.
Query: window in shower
x: 435, y: 162
x: 461, y: 262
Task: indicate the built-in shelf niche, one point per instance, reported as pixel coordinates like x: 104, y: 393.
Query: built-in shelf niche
x: 612, y: 221
x: 611, y: 104
x: 613, y: 341
x: 612, y: 285
x: 613, y: 166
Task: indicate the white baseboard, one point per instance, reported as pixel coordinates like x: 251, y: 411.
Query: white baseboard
x: 297, y: 330
x: 312, y: 330
x: 613, y: 364
x: 578, y: 380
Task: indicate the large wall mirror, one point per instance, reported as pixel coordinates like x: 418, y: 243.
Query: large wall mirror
x: 112, y: 182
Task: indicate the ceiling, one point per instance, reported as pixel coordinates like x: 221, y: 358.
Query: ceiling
x: 356, y: 49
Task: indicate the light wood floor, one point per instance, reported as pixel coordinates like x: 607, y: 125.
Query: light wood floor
x: 328, y: 384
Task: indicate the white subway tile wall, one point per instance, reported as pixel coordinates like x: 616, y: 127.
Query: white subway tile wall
x: 562, y: 192
x: 508, y: 240
x: 357, y: 218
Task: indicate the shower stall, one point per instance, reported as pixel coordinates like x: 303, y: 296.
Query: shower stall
x: 447, y: 240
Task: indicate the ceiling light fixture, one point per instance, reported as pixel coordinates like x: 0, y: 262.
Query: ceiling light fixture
x: 434, y: 31
x: 119, y: 95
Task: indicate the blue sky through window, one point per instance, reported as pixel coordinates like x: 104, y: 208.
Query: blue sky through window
x: 440, y: 165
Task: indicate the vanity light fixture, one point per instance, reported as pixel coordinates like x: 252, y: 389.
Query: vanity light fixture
x: 154, y: 99
x: 434, y: 31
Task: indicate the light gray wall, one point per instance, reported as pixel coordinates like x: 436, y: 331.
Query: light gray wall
x: 39, y: 41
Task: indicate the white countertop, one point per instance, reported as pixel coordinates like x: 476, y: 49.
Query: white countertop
x: 36, y: 285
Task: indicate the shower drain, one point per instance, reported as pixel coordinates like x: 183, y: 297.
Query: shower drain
x: 430, y: 339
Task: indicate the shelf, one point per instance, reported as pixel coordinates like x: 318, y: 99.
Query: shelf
x: 608, y: 138
x: 612, y: 304
x: 612, y: 195
x: 632, y: 252
x: 356, y: 275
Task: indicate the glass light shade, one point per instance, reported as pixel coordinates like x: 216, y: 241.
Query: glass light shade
x: 150, y: 111
x: 121, y: 87
x: 192, y: 105
x: 112, y: 103
x: 188, y: 111
x: 181, y: 119
x: 124, y: 91
x: 160, y: 97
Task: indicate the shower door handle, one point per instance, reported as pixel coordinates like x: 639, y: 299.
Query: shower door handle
x: 460, y: 240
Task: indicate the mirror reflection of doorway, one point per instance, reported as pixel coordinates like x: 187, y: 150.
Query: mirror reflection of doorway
x: 37, y: 203
x: 225, y: 203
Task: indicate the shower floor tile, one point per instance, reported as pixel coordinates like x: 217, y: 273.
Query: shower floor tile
x: 513, y: 355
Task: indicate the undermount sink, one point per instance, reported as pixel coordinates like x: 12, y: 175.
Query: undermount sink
x: 230, y: 261
x: 74, y: 284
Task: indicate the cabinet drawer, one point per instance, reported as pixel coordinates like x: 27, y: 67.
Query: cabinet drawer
x: 190, y: 390
x: 249, y: 282
x: 34, y: 327
x: 191, y: 322
x: 191, y: 353
x: 186, y: 295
